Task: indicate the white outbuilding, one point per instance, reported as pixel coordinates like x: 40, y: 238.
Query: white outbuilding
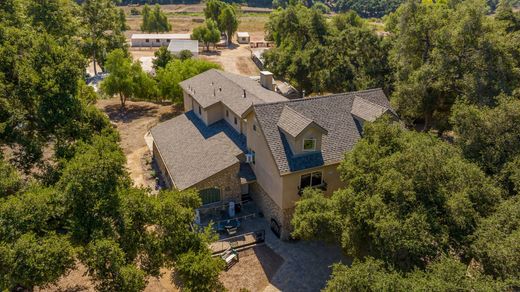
x: 243, y: 37
x: 156, y: 39
x: 176, y: 46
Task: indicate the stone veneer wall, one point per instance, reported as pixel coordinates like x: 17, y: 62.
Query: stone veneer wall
x: 227, y: 181
x: 272, y: 210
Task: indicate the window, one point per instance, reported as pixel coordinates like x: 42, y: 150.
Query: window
x: 168, y: 40
x: 227, y: 114
x: 147, y: 40
x: 200, y: 110
x: 236, y: 120
x: 158, y: 40
x: 254, y: 156
x: 309, y: 144
x: 313, y: 179
x: 254, y: 127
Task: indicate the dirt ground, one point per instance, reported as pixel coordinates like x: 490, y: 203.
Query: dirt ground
x: 236, y: 59
x: 133, y: 124
x: 254, y: 270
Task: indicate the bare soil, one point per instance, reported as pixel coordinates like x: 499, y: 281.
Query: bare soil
x: 133, y: 123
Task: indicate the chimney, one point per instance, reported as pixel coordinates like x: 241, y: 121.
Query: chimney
x: 266, y: 80
x: 244, y: 95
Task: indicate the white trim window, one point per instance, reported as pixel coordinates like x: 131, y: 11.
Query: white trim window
x: 309, y: 144
x: 313, y: 179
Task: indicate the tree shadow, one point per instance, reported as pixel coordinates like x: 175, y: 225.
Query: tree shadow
x: 130, y: 113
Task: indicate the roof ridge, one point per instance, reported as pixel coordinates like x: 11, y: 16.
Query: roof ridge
x: 321, y: 96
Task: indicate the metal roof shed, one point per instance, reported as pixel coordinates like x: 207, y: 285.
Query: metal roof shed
x: 176, y: 46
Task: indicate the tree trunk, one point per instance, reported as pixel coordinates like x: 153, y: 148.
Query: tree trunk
x: 123, y: 100
x: 428, y: 117
x: 94, y: 59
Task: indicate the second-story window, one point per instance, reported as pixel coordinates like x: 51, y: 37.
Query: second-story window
x: 236, y: 121
x: 309, y: 144
x: 227, y: 114
x: 200, y: 110
x: 254, y: 127
x: 147, y: 40
x: 254, y: 156
x: 313, y: 179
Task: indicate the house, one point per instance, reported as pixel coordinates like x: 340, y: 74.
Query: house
x: 238, y: 136
x: 176, y: 46
x: 156, y: 39
x: 243, y: 37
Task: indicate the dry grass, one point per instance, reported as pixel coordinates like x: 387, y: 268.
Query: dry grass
x: 184, y: 18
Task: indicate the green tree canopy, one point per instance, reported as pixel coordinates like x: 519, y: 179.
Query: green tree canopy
x: 168, y: 78
x: 408, y: 198
x: 497, y: 241
x: 103, y: 29
x: 317, y: 56
x: 155, y: 20
x: 90, y: 182
x: 489, y: 136
x: 444, y: 52
x: 32, y: 261
x: 228, y: 22
x: 162, y: 57
x: 207, y: 33
x: 444, y: 274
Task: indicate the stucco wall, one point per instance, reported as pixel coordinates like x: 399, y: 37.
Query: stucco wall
x: 296, y: 144
x: 230, y: 118
x: 212, y: 114
x: 227, y: 181
x: 188, y: 101
x: 160, y: 164
x: 265, y: 169
x: 292, y: 181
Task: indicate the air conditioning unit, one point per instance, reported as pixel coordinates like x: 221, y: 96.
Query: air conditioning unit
x: 249, y: 158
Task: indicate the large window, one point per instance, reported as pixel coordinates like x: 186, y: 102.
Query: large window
x: 313, y: 179
x: 309, y: 144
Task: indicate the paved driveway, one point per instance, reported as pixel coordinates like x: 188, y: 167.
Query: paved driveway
x: 307, y: 264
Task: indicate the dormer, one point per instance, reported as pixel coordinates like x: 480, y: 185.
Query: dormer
x: 303, y: 134
x: 365, y: 110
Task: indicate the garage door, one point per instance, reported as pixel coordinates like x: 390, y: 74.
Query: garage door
x: 210, y: 195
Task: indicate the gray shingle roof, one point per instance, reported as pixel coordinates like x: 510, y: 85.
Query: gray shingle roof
x: 193, y: 151
x: 293, y: 122
x: 367, y: 110
x: 332, y: 112
x: 215, y: 86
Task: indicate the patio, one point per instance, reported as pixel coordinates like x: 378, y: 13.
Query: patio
x: 276, y: 265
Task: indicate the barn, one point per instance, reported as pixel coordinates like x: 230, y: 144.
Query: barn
x: 156, y: 39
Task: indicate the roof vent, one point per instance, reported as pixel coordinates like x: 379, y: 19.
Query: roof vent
x: 244, y: 95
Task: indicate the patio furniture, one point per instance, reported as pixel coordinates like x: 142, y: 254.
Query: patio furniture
x: 230, y: 256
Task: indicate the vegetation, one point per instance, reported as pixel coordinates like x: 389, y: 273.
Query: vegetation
x: 103, y: 29
x: 224, y: 15
x: 442, y: 54
x: 168, y: 78
x: 207, y: 33
x: 77, y: 203
x: 154, y: 20
x: 316, y: 56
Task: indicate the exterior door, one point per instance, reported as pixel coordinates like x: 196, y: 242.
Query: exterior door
x: 211, y: 195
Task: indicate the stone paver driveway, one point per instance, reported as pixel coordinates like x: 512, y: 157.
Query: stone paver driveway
x: 307, y: 264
